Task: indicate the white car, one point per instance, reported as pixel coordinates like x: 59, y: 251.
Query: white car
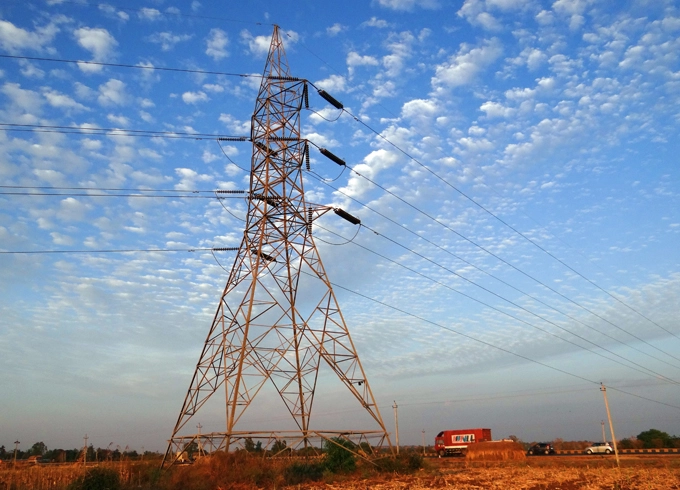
x: 600, y: 448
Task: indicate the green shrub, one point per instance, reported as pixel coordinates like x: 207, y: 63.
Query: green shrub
x: 303, y: 472
x: 339, y: 458
x: 97, y: 478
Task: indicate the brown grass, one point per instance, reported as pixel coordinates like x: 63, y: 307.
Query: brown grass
x: 495, y: 451
x: 236, y: 472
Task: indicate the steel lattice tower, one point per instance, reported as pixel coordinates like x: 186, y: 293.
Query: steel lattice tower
x: 278, y: 320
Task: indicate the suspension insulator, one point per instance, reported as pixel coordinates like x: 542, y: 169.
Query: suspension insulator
x: 264, y: 255
x: 272, y: 201
x: 305, y: 96
x: 310, y: 219
x: 265, y: 148
x: 306, y: 151
x: 332, y: 157
x: 332, y: 101
x: 345, y: 215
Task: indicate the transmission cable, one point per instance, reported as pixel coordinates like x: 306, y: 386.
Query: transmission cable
x: 646, y: 372
x: 96, y: 131
x: 489, y: 344
x: 138, y: 67
x: 35, y: 252
x: 414, y: 159
x: 526, y: 274
x: 493, y: 276
x: 472, y: 200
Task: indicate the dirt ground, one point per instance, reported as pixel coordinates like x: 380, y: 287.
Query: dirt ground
x: 536, y: 473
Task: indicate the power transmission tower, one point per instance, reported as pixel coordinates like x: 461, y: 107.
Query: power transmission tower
x: 278, y: 320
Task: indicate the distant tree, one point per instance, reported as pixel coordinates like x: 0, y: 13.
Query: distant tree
x: 251, y: 446
x: 654, y: 438
x: 279, y: 446
x: 131, y: 454
x: 3, y: 452
x: 38, y: 449
x: 626, y: 443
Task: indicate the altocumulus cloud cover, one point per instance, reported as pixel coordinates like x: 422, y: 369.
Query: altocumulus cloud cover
x: 515, y: 164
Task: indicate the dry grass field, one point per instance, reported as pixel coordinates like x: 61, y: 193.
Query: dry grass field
x: 649, y: 472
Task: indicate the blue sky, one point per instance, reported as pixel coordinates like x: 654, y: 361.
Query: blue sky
x: 521, y: 220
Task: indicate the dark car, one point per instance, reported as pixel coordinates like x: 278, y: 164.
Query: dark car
x: 541, y: 448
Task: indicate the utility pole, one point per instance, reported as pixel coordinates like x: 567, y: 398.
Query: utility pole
x: 200, y: 448
x: 603, y: 389
x: 604, y: 437
x: 396, y: 424
x: 16, y: 447
x: 85, y: 451
x: 423, y: 442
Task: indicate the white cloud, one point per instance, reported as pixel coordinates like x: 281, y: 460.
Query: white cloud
x: 463, y: 67
x: 237, y: 126
x: 354, y: 59
x: 213, y: 87
x: 15, y: 39
x: 209, y: 157
x: 167, y: 40
x: 494, y: 109
x: 335, y: 83
x: 98, y: 41
x: 375, y: 22
x: 335, y: 29
x: 119, y: 14
x: 408, y: 5
x: 146, y: 117
x: 91, y: 145
x: 62, y: 101
x: 574, y: 9
x: 149, y: 14
x: 30, y: 70
x: 372, y: 165
x: 70, y: 209
x: 24, y: 100
x: 120, y: 121
x: 112, y: 93
x: 216, y: 44
x: 420, y: 108
x: 194, y: 97
x: 259, y: 45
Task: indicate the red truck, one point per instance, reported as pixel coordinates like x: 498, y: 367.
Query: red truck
x: 450, y: 442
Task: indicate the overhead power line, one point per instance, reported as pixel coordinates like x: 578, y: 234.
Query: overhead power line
x: 109, y: 251
x: 137, y: 67
x: 489, y: 274
x: 642, y: 369
x: 339, y: 105
x: 526, y: 274
x: 94, y: 131
x: 494, y: 346
x: 506, y: 224
x: 219, y: 194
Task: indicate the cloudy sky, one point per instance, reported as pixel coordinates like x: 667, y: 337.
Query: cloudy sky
x: 514, y: 164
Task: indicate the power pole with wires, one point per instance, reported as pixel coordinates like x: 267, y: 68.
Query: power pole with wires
x: 85, y: 450
x: 396, y: 424
x: 603, y: 389
x: 278, y: 320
